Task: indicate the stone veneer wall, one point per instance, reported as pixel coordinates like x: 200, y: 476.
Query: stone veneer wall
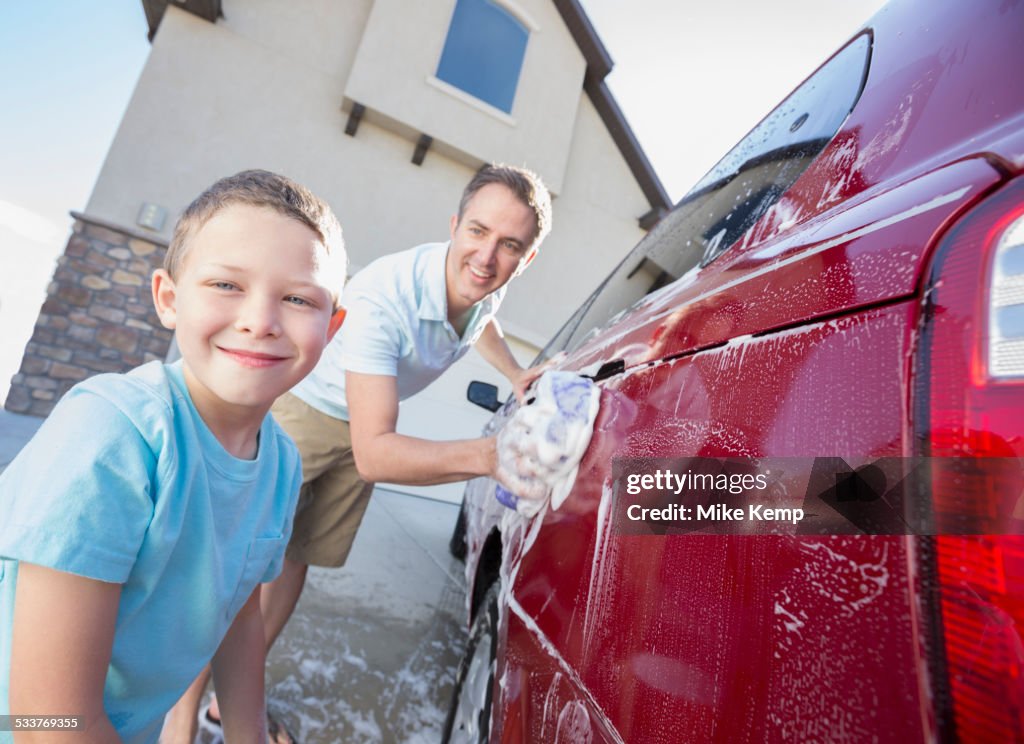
x: 98, y: 315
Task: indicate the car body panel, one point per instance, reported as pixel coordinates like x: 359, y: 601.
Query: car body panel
x: 665, y: 628
x: 798, y: 341
x: 860, y: 256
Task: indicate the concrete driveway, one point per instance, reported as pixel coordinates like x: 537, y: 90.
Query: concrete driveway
x: 371, y: 653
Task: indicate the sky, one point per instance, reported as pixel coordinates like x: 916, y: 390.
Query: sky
x: 692, y: 79
x: 67, y: 70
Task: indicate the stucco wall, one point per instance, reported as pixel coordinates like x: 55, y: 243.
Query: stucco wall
x: 265, y: 86
x: 403, y: 88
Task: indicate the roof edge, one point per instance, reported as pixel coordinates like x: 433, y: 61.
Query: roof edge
x: 209, y: 10
x: 599, y: 64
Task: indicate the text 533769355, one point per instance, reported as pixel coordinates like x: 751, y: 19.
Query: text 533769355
x: 54, y: 723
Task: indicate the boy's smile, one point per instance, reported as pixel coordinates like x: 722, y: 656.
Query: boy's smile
x: 249, y: 309
x: 253, y: 359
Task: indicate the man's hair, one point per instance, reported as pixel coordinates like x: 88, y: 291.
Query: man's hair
x: 527, y: 187
x: 258, y: 188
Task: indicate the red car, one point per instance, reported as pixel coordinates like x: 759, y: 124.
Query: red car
x: 848, y: 282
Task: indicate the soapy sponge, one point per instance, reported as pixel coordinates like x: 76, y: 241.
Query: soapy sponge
x: 540, y: 448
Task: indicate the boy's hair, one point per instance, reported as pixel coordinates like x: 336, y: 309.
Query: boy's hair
x: 258, y: 188
x: 525, y: 184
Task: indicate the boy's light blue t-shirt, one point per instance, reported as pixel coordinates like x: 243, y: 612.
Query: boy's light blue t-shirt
x: 125, y: 483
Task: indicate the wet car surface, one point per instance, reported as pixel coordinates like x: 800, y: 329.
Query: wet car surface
x: 848, y: 282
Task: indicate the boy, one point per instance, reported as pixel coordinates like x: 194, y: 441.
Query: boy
x: 136, y: 526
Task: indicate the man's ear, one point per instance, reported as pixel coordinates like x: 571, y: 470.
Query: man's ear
x: 452, y: 225
x: 524, y: 262
x: 336, y: 320
x: 165, y: 296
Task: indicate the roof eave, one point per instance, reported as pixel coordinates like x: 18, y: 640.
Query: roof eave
x: 209, y: 10
x: 599, y: 64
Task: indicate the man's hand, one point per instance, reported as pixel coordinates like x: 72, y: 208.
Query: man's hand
x: 494, y: 349
x: 522, y: 379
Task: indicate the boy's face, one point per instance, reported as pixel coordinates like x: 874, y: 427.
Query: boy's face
x: 249, y: 307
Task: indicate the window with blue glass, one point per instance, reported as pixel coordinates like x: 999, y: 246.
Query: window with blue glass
x: 483, y: 53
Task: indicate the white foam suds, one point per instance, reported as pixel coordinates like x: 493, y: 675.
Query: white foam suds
x: 579, y: 687
x: 602, y: 532
x: 512, y: 527
x: 790, y: 621
x: 574, y: 724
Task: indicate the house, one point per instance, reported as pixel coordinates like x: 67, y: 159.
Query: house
x: 383, y: 107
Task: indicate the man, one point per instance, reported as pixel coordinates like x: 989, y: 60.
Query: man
x: 410, y: 316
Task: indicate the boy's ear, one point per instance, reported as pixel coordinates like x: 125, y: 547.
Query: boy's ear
x: 336, y: 320
x: 165, y: 298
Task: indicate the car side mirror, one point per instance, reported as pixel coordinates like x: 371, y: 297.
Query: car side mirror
x: 483, y: 394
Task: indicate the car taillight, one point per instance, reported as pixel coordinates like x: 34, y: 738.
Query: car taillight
x: 969, y: 403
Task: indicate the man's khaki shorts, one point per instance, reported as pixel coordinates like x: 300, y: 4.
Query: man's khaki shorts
x: 333, y: 497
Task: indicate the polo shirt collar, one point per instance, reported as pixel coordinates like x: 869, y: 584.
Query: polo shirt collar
x: 433, y: 303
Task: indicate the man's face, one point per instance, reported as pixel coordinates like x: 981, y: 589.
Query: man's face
x: 249, y: 308
x: 491, y: 243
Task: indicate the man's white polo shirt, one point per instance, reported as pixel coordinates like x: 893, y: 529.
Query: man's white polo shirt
x: 396, y: 324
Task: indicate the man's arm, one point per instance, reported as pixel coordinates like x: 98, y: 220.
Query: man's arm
x: 493, y: 347
x: 60, y: 650
x: 381, y: 454
x: 238, y: 675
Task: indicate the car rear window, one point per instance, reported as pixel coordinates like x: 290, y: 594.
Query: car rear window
x: 732, y: 197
